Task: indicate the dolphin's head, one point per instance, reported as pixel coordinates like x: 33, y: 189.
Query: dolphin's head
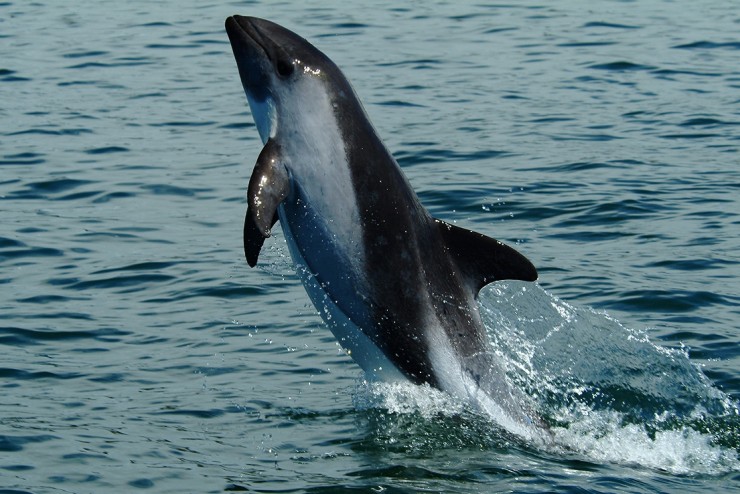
x: 275, y: 65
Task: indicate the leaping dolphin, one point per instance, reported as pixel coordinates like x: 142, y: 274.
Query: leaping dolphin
x: 396, y: 286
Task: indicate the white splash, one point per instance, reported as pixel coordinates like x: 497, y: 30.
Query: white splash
x: 569, y: 360
x: 611, y: 393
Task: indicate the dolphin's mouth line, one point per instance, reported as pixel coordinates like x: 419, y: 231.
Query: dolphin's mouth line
x: 252, y: 33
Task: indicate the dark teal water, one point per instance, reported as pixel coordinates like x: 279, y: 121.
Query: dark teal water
x: 138, y: 351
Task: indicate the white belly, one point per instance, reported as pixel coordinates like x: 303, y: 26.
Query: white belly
x: 358, y: 345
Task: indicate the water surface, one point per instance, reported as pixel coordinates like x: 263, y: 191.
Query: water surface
x: 140, y: 352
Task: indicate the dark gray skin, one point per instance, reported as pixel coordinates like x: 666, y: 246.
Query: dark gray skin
x: 407, y: 282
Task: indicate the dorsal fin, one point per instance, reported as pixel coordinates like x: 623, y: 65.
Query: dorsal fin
x: 269, y: 185
x: 482, y: 259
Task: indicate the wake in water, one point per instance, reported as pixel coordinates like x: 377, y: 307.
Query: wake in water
x: 607, y: 393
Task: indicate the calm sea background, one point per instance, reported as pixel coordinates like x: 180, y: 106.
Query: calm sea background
x: 138, y: 350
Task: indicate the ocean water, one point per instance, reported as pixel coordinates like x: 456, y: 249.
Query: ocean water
x: 138, y: 350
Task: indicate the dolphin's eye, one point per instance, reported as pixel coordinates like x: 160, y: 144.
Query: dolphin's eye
x: 284, y: 67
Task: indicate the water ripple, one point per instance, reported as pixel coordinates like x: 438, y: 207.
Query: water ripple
x: 674, y: 301
x: 27, y: 158
x: 609, y: 25
x: 621, y: 66
x: 107, y: 150
x: 24, y: 251
x: 118, y: 283
x: 24, y: 375
x: 732, y: 45
x: 15, y: 336
x: 7, y: 75
x: 17, y: 443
